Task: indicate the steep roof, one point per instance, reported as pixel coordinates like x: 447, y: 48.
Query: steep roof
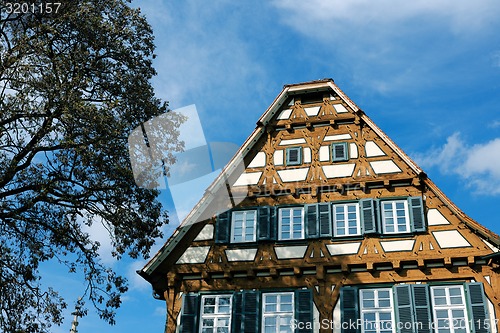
x: 202, y: 207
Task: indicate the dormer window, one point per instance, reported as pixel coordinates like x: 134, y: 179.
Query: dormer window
x: 339, y: 152
x: 294, y: 156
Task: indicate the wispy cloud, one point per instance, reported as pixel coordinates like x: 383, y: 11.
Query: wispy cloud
x: 477, y: 164
x: 495, y: 59
x: 390, y: 45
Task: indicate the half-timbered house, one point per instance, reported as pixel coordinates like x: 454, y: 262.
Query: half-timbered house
x: 336, y: 230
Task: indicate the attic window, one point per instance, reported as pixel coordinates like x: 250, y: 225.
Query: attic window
x: 294, y: 156
x: 311, y: 98
x: 339, y: 152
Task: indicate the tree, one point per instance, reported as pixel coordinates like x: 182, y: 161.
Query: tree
x: 73, y: 85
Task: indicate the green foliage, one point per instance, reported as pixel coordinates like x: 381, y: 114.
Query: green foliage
x: 73, y: 85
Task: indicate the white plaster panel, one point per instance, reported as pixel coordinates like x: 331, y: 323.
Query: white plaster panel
x: 450, y: 239
x: 206, y: 233
x: 342, y: 249
x: 194, y: 255
x: 292, y: 142
x: 353, y: 150
x: 258, y: 161
x: 337, y: 317
x: 307, y: 155
x: 399, y: 245
x: 324, y: 153
x: 491, y: 246
x: 285, y: 114
x: 492, y: 314
x: 340, y: 108
x: 241, y: 254
x: 278, y: 157
x: 338, y: 137
x: 290, y: 252
x: 312, y: 111
x: 248, y: 178
x: 372, y: 149
x: 332, y: 98
x: 381, y: 167
x: 293, y: 175
x: 338, y: 170
x: 316, y: 323
x: 434, y: 217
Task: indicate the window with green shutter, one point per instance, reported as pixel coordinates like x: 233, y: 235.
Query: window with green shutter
x: 340, y: 152
x: 346, y: 219
x: 294, y: 156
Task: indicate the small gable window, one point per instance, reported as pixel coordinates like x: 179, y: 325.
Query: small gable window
x: 340, y: 152
x: 294, y: 156
x: 395, y: 217
x: 244, y: 226
x: 346, y: 221
x: 291, y: 223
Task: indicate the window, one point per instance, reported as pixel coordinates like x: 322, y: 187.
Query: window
x: 339, y: 152
x: 215, y: 314
x: 417, y: 308
x: 346, y: 220
x: 291, y: 223
x: 395, y: 217
x: 448, y: 304
x: 376, y: 310
x: 294, y: 156
x: 243, y: 226
x: 277, y: 312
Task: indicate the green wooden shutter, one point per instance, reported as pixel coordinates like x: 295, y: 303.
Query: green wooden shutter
x: 340, y: 152
x: 223, y: 227
x: 263, y: 223
x: 189, y: 314
x: 304, y: 309
x: 311, y: 212
x: 416, y: 207
x: 403, y: 307
x: 236, y: 312
x: 251, y: 311
x: 349, y: 309
x: 294, y: 156
x: 273, y: 223
x: 325, y: 219
x: 368, y: 219
x: 478, y: 308
x: 422, y: 307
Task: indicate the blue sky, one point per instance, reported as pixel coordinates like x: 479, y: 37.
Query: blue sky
x: 427, y: 73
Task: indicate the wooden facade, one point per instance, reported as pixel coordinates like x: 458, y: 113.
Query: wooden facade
x: 334, y: 224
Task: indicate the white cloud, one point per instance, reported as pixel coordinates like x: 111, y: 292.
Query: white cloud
x: 495, y: 59
x: 391, y: 45
x: 136, y: 282
x: 477, y: 164
x: 97, y: 232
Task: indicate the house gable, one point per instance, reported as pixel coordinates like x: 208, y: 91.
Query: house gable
x: 326, y: 200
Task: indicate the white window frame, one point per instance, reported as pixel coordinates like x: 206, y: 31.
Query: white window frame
x: 394, y: 216
x: 452, y: 323
x: 344, y: 208
x: 299, y: 156
x: 377, y: 310
x: 280, y: 223
x: 278, y: 314
x: 216, y: 315
x: 246, y: 224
